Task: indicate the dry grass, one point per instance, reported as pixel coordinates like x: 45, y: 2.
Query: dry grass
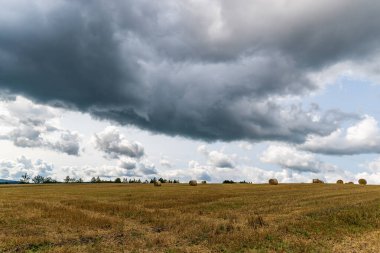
x: 181, y: 218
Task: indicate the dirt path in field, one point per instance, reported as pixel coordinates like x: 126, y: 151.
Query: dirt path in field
x: 368, y: 242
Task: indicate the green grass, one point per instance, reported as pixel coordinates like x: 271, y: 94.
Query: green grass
x: 181, y: 218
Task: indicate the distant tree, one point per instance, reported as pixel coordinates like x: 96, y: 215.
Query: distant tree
x: 38, y: 179
x: 118, y: 180
x: 162, y: 180
x: 49, y: 180
x: 98, y: 179
x: 67, y: 179
x: 125, y: 180
x: 175, y: 181
x: 25, y: 178
x: 228, y: 182
x: 80, y: 180
x: 93, y: 180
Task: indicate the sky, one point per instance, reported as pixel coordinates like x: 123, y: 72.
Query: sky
x: 206, y: 90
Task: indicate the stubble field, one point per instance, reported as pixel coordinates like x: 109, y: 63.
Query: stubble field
x: 182, y: 218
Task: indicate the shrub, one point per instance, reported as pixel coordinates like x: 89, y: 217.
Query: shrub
x: 339, y: 181
x: 362, y: 181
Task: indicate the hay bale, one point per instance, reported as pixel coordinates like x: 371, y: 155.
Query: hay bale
x: 157, y: 183
x: 339, y: 181
x: 273, y: 181
x: 193, y: 182
x: 362, y: 181
x: 317, y: 181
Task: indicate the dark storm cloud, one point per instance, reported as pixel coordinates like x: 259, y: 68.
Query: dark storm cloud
x: 203, y: 70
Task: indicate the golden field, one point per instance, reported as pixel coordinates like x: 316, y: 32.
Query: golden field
x: 182, y: 218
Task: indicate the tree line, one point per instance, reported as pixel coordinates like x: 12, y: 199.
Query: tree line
x: 27, y: 179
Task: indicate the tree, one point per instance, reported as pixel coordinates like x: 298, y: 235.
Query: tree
x: 67, y: 179
x: 25, y: 179
x: 49, y: 180
x: 98, y: 180
x: 93, y: 180
x: 118, y: 180
x: 38, y: 179
x: 80, y: 180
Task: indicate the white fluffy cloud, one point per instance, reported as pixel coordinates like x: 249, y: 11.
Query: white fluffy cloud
x: 289, y: 157
x: 217, y: 158
x: 125, y: 168
x: 27, y: 124
x: 115, y: 144
x: 363, y: 137
x: 10, y: 169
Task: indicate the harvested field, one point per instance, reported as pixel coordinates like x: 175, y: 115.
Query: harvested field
x: 181, y: 218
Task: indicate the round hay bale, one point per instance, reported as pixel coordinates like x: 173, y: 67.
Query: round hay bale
x: 273, y: 181
x: 339, y: 181
x: 362, y: 181
x: 193, y: 182
x: 157, y: 183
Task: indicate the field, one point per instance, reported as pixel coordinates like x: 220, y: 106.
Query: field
x: 182, y: 218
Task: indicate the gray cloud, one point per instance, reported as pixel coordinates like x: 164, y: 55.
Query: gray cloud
x: 128, y: 164
x: 147, y: 169
x: 165, y: 163
x: 203, y: 70
x: 68, y: 143
x: 29, y: 125
x: 115, y: 144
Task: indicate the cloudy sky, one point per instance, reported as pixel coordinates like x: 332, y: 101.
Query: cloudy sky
x: 192, y: 89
